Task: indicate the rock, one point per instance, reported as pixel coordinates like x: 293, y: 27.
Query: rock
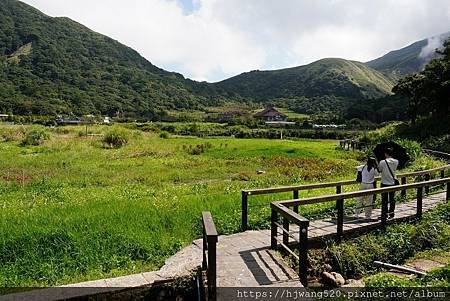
x: 333, y: 279
x: 340, y: 281
x: 354, y: 283
x: 327, y: 268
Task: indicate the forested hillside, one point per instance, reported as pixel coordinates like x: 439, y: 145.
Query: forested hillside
x: 52, y: 66
x: 326, y: 85
x: 55, y: 65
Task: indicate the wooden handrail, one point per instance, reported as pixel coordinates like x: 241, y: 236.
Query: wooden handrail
x: 337, y: 184
x: 209, y: 253
x: 354, y: 194
x: 303, y: 224
x: 437, y: 153
x: 287, y: 213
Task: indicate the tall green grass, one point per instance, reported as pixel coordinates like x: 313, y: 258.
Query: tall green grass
x: 72, y: 210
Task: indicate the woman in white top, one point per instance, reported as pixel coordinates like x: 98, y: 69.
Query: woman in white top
x: 369, y: 172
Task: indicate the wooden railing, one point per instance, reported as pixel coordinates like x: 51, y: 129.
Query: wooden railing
x: 338, y: 185
x: 209, y: 263
x: 352, y: 144
x: 282, y: 208
x: 302, y: 241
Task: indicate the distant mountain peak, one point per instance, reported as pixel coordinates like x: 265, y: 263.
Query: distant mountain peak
x: 410, y: 59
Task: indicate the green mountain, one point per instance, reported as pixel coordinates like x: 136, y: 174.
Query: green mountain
x: 55, y: 65
x: 410, y: 59
x: 329, y: 77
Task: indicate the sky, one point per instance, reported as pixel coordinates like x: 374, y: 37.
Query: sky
x: 210, y: 40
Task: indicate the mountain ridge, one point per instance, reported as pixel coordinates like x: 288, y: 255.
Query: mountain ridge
x: 331, y: 76
x: 70, y: 69
x: 409, y: 59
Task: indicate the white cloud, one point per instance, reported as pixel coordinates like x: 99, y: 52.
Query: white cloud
x: 226, y: 37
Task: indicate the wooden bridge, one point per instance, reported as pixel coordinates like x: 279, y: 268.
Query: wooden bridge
x: 250, y: 258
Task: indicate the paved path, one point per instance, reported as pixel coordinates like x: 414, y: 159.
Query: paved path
x: 245, y: 259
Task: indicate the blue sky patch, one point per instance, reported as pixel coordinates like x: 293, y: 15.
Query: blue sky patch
x: 189, y: 6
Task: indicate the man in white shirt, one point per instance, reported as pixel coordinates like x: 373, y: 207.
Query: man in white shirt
x: 388, y: 168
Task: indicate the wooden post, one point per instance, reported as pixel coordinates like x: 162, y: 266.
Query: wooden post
x: 212, y: 267
x: 340, y: 215
x: 419, y: 202
x: 205, y: 249
x: 442, y: 174
x: 209, y: 261
x: 374, y: 198
x: 295, y: 194
x: 286, y: 227
x: 384, y: 209
x: 448, y: 191
x: 427, y: 188
x: 244, y: 210
x: 273, y: 230
x: 403, y: 193
x: 303, y: 253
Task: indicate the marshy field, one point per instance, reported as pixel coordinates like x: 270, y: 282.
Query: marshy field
x: 77, y: 207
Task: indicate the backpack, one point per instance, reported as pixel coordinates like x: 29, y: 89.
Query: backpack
x: 359, y: 175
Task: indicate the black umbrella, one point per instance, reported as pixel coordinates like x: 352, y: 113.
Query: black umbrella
x: 399, y: 152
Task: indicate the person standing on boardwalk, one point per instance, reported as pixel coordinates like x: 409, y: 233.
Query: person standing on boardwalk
x: 368, y: 174
x: 388, y: 168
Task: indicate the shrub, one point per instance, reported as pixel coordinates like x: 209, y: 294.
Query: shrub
x: 387, y: 280
x: 61, y: 130
x: 355, y: 256
x: 35, y: 137
x: 199, y: 149
x: 115, y: 138
x: 164, y: 135
x: 12, y: 133
x: 412, y: 147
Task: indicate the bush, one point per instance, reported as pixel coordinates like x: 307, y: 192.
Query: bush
x: 412, y: 147
x: 35, y: 137
x: 387, y: 280
x: 12, y: 133
x: 115, y: 138
x: 164, y: 135
x: 355, y: 256
x: 198, y: 149
x: 439, y: 277
x: 440, y: 143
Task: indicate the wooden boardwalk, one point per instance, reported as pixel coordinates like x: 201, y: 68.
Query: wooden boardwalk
x: 245, y: 259
x: 327, y: 227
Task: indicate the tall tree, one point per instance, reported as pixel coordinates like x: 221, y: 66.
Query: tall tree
x: 429, y: 91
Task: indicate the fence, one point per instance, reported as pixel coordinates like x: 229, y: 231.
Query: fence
x: 282, y: 209
x: 338, y: 185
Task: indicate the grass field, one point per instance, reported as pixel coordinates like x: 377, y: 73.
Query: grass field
x: 73, y: 210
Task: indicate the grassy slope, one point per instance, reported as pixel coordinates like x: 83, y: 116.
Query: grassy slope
x: 330, y: 76
x: 73, y: 211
